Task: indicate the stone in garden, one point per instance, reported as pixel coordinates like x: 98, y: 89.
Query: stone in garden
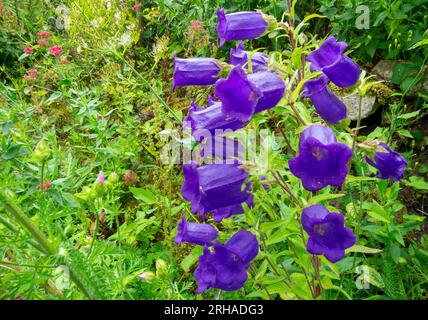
x: 352, y: 104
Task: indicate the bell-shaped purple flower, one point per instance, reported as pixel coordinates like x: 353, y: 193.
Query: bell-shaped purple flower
x: 243, y: 95
x: 321, y: 160
x: 213, y: 186
x: 327, y: 104
x: 205, y: 121
x: 238, y: 95
x: 222, y: 150
x: 240, y: 25
x: 327, y: 232
x: 226, y: 267
x: 196, y: 233
x: 271, y: 88
x: 239, y: 57
x: 331, y: 60
x: 227, y: 212
x: 391, y: 164
x: 195, y: 71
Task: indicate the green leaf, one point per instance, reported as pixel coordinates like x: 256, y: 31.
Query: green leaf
x: 409, y: 115
x: 191, y: 259
x: 417, y: 183
x: 362, y: 249
x: 324, y: 197
x: 144, y: 195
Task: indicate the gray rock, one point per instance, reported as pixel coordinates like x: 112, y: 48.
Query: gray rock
x: 352, y: 104
x: 384, y: 69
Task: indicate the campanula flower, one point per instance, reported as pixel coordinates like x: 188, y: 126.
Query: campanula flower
x: 327, y: 104
x: 327, y: 232
x: 222, y: 150
x: 239, y: 57
x: 331, y: 60
x: 226, y: 267
x: 227, y: 212
x: 205, y: 121
x: 271, y: 87
x: 321, y: 160
x: 238, y: 95
x: 213, y: 186
x: 243, y: 95
x: 390, y: 164
x: 196, y: 233
x: 195, y: 71
x: 240, y: 25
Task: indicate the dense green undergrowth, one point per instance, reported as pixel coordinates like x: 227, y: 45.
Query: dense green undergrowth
x: 101, y: 107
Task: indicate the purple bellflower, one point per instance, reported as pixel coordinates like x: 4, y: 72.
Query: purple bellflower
x: 239, y: 57
x: 195, y: 71
x: 223, y: 150
x: 327, y: 232
x: 321, y: 160
x: 205, y: 121
x: 213, y: 186
x: 227, y: 212
x: 390, y: 164
x: 238, y: 94
x: 196, y: 233
x: 327, y: 104
x: 226, y: 267
x: 331, y: 60
x: 240, y: 25
x: 243, y: 95
x: 271, y: 87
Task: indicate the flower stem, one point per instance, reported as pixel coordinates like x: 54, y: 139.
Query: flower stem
x: 13, y: 210
x: 162, y: 101
x: 357, y: 129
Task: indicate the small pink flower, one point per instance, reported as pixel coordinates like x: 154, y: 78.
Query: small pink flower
x: 43, y: 42
x: 101, y: 178
x: 31, y: 75
x: 46, y: 185
x: 196, y: 25
x: 28, y: 50
x: 137, y: 6
x: 43, y: 34
x: 56, y: 51
x: 130, y: 178
x: 64, y: 61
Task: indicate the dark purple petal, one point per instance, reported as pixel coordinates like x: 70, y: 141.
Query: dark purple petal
x: 213, y: 186
x: 195, y: 71
x: 330, y: 58
x: 327, y: 232
x: 240, y: 25
x: 227, y: 212
x: 319, y: 164
x: 239, y: 57
x: 244, y: 244
x: 205, y: 121
x: 391, y: 164
x: 238, y: 95
x: 226, y: 267
x: 323, y: 134
x: 271, y: 88
x: 327, y: 104
x: 196, y: 233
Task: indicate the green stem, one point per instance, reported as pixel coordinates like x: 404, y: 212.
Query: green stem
x: 47, y: 247
x: 13, y: 210
x: 162, y: 101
